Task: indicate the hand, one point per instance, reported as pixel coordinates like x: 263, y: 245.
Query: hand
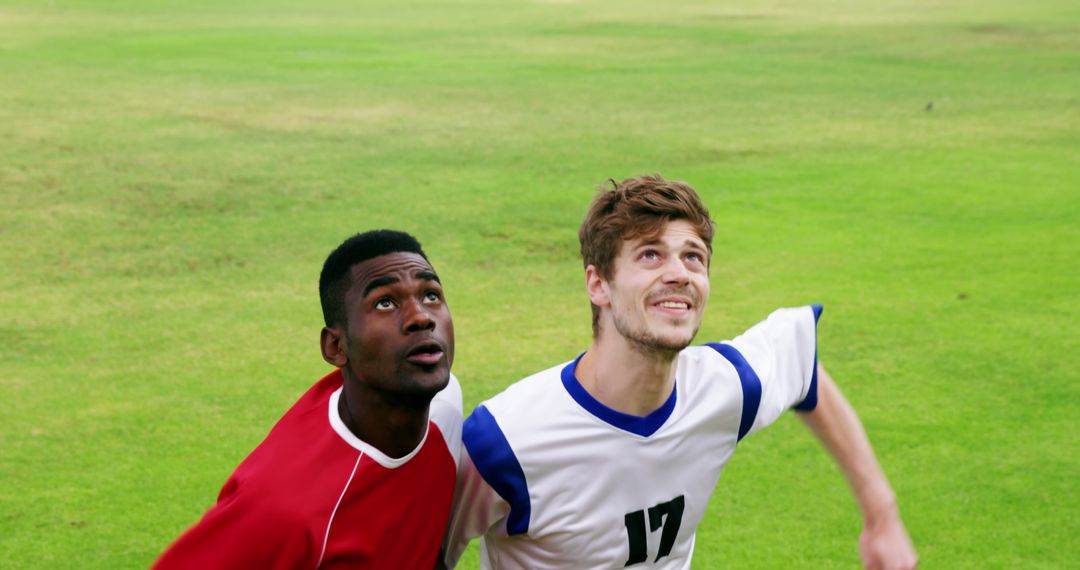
x: 885, y: 545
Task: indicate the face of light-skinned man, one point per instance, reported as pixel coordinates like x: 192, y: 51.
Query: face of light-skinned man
x: 656, y: 298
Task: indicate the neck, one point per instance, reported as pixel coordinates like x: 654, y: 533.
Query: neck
x: 394, y: 426
x: 625, y: 378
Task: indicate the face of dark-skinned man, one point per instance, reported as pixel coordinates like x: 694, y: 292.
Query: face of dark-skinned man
x: 399, y: 334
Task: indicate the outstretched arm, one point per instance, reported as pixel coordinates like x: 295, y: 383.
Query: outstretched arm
x: 884, y: 543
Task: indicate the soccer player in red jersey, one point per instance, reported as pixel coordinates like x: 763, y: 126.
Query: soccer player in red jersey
x: 360, y: 472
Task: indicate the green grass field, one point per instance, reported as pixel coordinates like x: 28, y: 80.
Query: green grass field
x: 172, y: 175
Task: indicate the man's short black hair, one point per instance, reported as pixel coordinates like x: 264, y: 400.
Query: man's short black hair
x: 334, y: 281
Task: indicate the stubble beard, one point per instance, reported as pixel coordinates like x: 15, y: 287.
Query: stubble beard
x: 644, y: 342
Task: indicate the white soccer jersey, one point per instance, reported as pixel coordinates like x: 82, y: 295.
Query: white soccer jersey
x: 552, y: 478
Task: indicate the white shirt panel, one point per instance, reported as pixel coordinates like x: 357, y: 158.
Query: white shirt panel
x: 588, y: 480
x: 446, y: 412
x: 781, y: 350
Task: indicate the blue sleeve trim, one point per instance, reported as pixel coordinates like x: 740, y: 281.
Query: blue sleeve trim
x: 751, y: 385
x: 810, y: 402
x: 644, y: 426
x: 498, y: 465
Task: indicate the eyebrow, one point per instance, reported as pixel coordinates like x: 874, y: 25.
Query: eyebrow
x: 657, y: 241
x: 378, y: 282
x: 390, y: 280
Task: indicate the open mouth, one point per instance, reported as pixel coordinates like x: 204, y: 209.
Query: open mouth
x: 425, y: 354
x: 676, y: 305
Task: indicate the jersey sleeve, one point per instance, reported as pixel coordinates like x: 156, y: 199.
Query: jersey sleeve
x: 491, y: 493
x: 445, y: 411
x: 782, y: 353
x: 241, y: 532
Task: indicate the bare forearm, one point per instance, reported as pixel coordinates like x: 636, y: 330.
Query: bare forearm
x: 884, y: 543
x: 836, y: 425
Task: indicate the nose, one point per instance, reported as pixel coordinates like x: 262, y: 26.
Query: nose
x: 675, y: 272
x: 417, y: 318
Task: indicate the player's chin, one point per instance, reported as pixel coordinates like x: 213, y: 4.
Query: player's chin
x: 674, y: 344
x: 428, y: 379
x: 675, y: 340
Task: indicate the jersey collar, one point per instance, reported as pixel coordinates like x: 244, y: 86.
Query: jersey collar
x: 365, y: 447
x: 644, y: 426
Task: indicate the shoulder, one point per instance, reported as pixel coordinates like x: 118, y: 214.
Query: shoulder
x: 523, y: 407
x: 696, y: 360
x: 787, y: 319
x: 782, y: 352
x: 446, y: 405
x: 703, y: 367
x: 540, y: 385
x: 311, y: 403
x: 501, y: 427
x: 301, y: 452
x: 304, y: 421
x: 445, y: 413
x: 785, y: 329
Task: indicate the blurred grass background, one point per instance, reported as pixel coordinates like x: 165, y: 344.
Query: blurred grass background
x: 173, y: 175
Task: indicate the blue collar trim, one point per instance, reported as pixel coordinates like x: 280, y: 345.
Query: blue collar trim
x: 644, y: 426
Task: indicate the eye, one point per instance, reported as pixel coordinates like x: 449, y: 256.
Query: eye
x: 384, y: 304
x: 432, y: 297
x: 695, y: 257
x: 649, y: 255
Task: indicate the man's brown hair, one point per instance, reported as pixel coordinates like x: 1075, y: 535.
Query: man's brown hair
x: 636, y: 208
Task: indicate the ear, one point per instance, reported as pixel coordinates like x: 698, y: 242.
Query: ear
x: 332, y: 343
x: 596, y: 287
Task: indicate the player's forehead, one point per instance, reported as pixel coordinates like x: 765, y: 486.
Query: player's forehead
x: 399, y: 266
x: 672, y: 234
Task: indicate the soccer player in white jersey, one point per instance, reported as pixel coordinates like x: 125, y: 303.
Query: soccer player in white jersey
x: 608, y: 460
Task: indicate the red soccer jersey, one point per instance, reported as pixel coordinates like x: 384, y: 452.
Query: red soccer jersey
x: 313, y: 495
